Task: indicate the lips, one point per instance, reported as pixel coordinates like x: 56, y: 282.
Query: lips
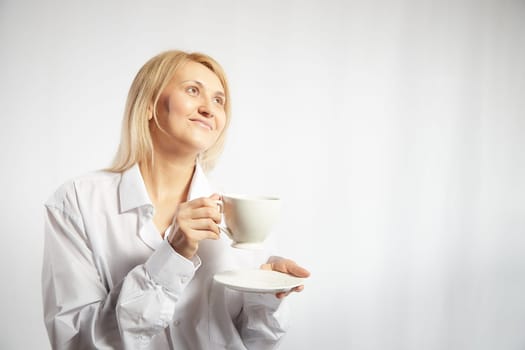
x: 203, y: 123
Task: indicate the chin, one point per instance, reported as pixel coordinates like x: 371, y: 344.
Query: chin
x: 202, y: 146
x: 198, y: 142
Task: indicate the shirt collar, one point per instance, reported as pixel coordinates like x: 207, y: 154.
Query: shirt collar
x: 200, y: 186
x: 132, y: 190
x: 133, y: 193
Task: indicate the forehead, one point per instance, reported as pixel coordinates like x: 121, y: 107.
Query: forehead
x: 198, y: 72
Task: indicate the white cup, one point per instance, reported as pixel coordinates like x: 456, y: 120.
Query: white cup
x: 248, y: 220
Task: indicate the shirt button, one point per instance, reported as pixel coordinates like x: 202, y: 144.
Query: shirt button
x: 184, y: 279
x: 176, y: 323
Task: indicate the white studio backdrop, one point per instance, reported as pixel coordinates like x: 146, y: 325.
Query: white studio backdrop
x: 393, y: 131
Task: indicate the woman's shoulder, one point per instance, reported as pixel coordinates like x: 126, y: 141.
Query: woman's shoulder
x: 95, y: 181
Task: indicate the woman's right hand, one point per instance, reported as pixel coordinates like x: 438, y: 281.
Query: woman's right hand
x: 194, y: 221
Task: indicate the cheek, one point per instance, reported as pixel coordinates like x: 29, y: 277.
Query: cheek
x: 178, y: 105
x: 223, y: 122
x: 162, y: 106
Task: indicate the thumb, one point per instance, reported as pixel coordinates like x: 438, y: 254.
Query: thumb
x: 215, y: 196
x: 298, y: 271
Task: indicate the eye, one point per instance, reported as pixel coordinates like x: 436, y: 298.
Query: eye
x: 192, y: 90
x: 219, y: 100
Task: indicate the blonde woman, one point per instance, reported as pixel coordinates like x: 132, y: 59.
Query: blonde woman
x: 130, y: 252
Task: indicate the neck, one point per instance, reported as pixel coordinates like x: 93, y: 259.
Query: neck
x: 168, y: 178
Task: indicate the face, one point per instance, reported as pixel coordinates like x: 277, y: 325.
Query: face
x: 190, y: 110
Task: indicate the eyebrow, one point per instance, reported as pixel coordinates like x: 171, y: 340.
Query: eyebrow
x: 220, y: 93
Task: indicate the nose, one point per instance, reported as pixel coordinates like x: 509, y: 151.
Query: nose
x: 205, y: 111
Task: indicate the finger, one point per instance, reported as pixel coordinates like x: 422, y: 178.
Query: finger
x: 266, y: 267
x: 199, y: 235
x: 206, y: 213
x: 286, y: 266
x: 203, y: 202
x: 204, y: 225
x: 290, y: 267
x: 215, y: 197
x: 298, y: 271
x: 189, y: 227
x: 298, y: 289
x: 281, y: 295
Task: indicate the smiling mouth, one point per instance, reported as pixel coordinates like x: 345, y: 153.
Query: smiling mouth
x: 202, y: 124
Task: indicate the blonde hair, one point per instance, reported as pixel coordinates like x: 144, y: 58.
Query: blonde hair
x: 136, y: 144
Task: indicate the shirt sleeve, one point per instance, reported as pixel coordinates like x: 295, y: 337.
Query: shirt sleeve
x: 263, y: 320
x: 79, y: 310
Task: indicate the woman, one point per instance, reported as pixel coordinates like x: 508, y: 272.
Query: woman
x: 130, y: 253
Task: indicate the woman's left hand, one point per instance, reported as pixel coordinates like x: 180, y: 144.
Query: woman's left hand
x: 286, y: 266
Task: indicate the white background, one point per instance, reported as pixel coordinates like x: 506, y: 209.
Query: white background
x: 393, y: 131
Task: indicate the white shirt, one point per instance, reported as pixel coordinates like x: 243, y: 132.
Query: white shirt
x: 110, y: 281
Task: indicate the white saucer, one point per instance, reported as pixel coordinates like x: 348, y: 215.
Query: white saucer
x: 258, y: 281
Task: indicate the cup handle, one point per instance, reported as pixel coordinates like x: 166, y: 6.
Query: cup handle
x: 224, y: 229
x: 220, y: 206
